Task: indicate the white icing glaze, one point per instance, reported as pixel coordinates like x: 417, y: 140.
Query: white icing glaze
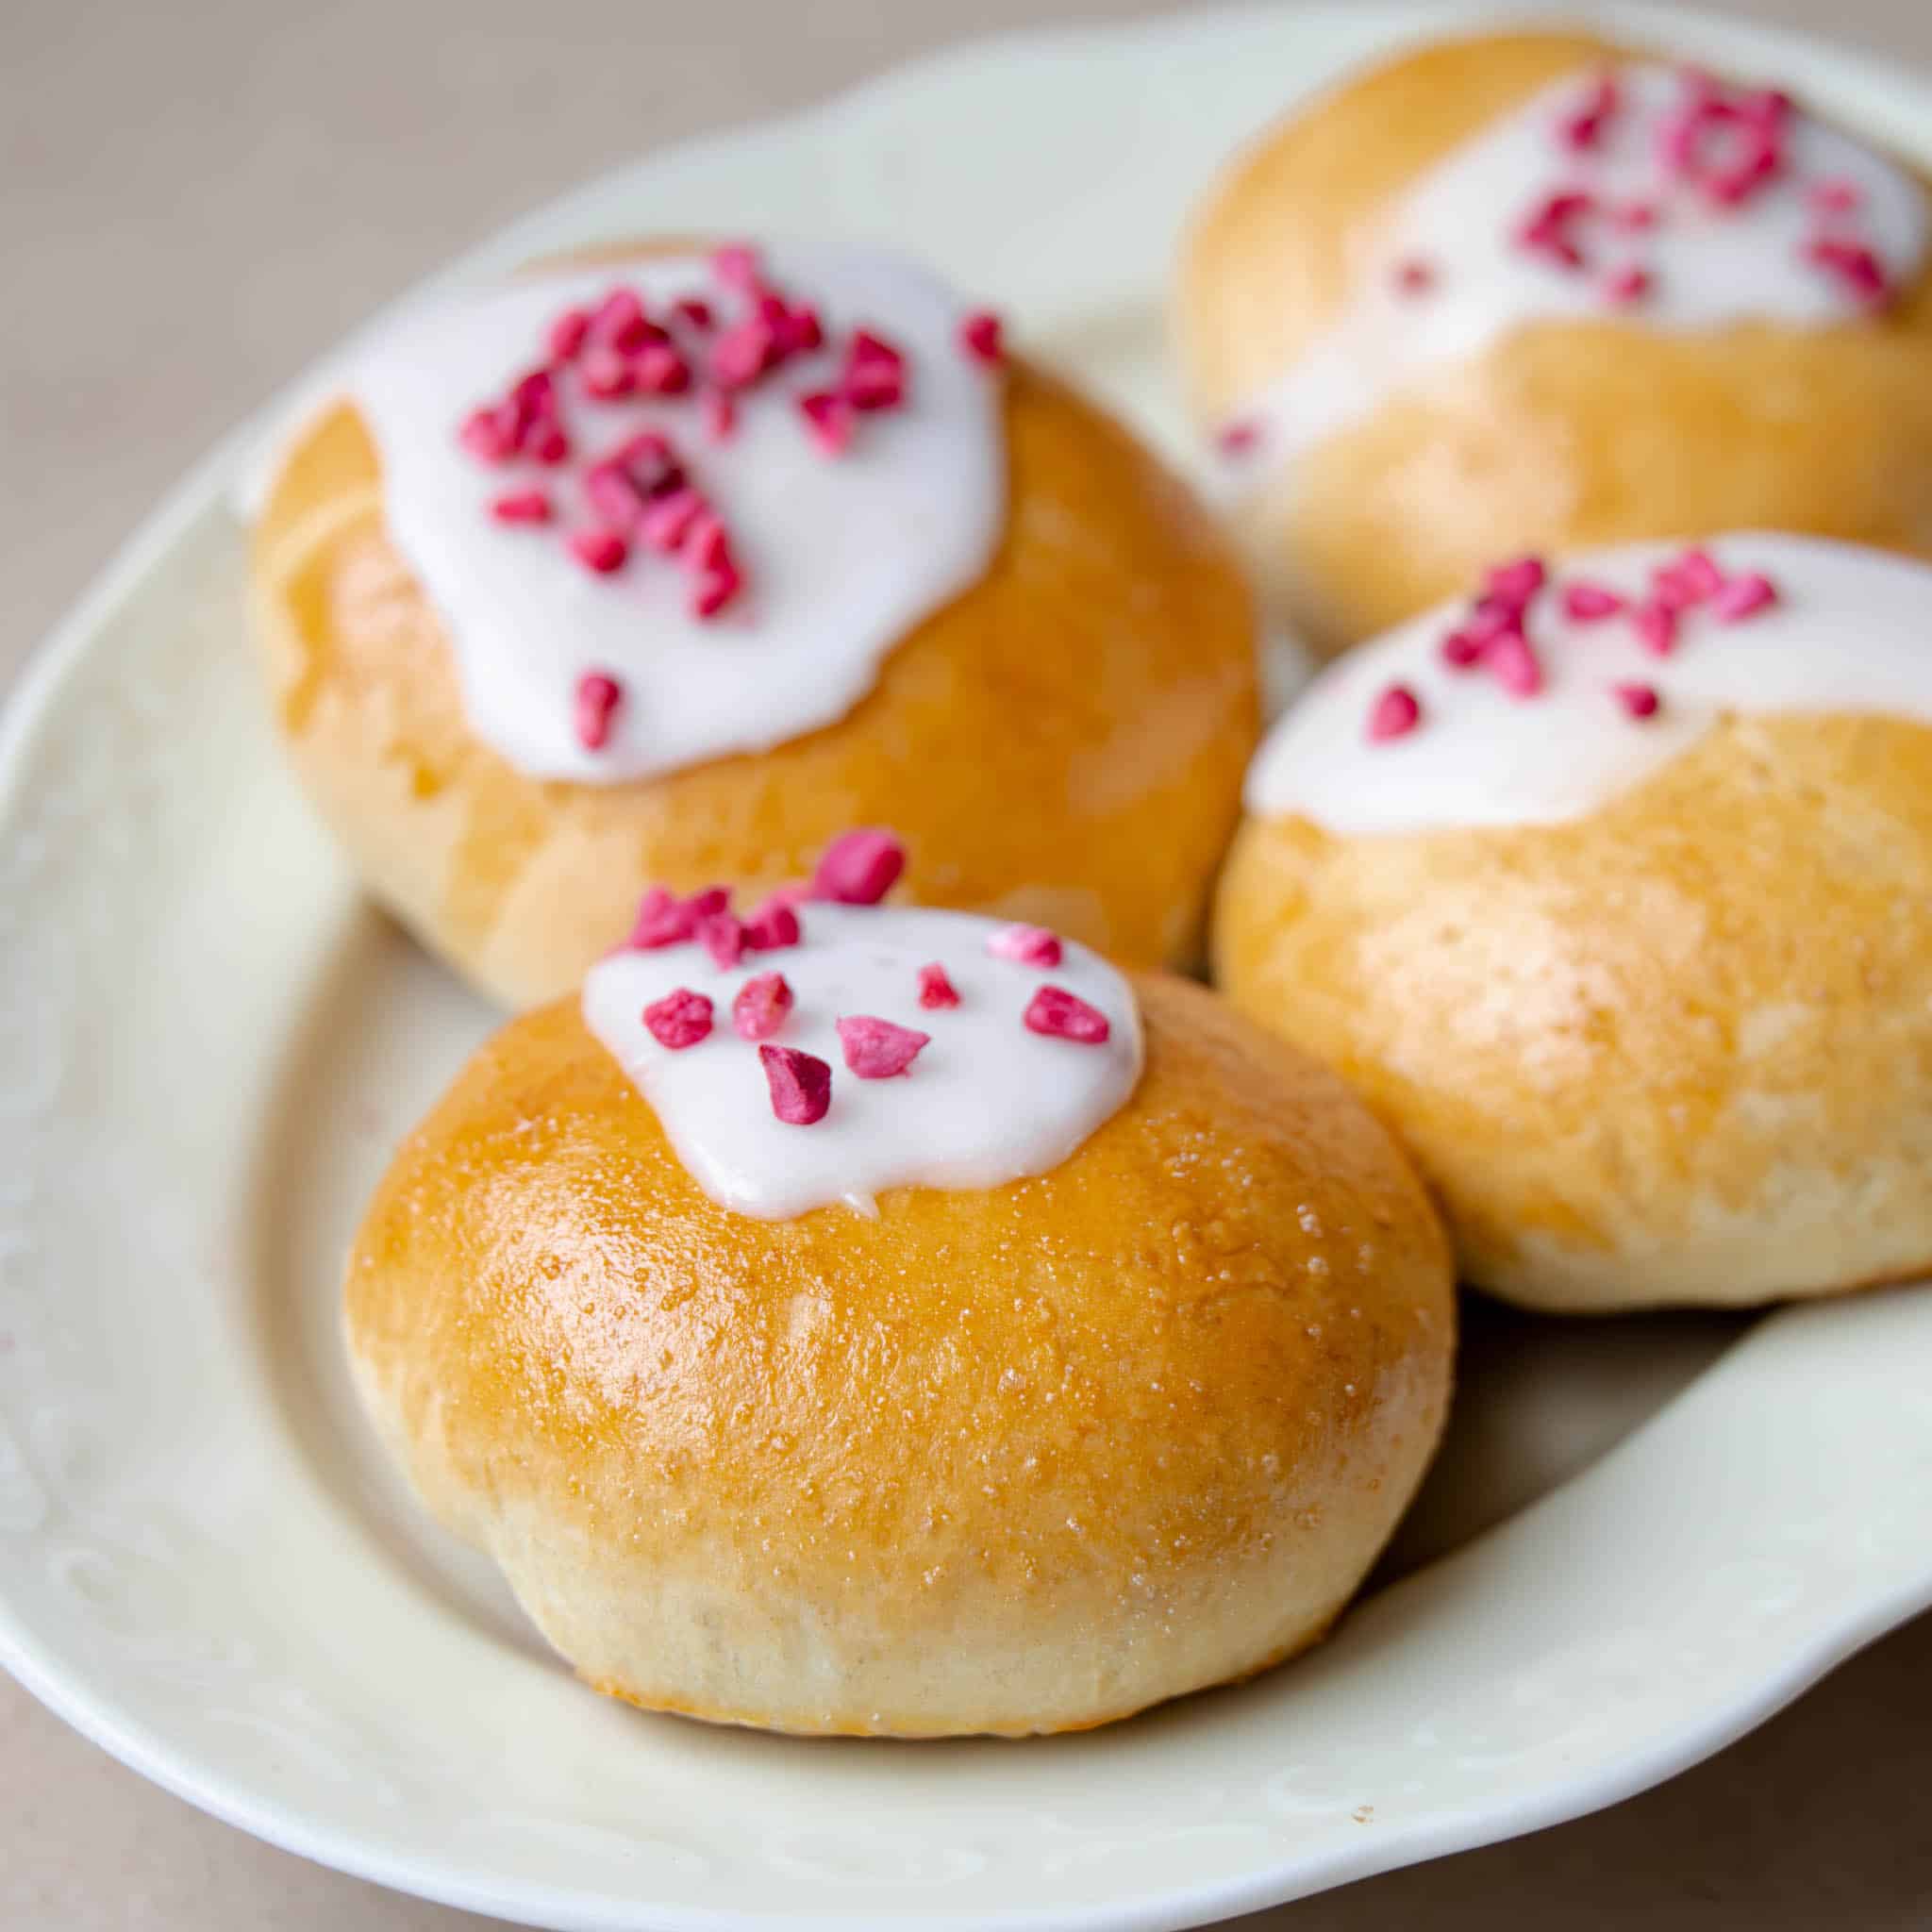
x: 842, y: 556
x: 1852, y: 632
x: 985, y: 1102
x: 1711, y: 267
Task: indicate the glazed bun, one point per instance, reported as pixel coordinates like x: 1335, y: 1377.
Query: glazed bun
x: 1055, y: 713
x: 1008, y: 1459
x: 1638, y: 964
x: 1419, y: 355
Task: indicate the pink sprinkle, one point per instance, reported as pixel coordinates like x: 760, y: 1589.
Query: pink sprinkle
x: 1857, y: 267
x: 670, y: 519
x: 771, y: 925
x: 1513, y: 663
x: 486, y: 435
x: 738, y: 267
x: 662, y: 371
x: 1835, y: 198
x: 858, y: 867
x: 1063, y: 1015
x: 1028, y: 945
x: 1462, y: 651
x: 723, y: 936
x: 1640, y: 700
x: 598, y: 548
x: 1414, y: 275
x: 598, y: 696
x: 620, y: 323
x: 877, y: 1049
x: 935, y: 987
x: 762, y: 1003
x: 1518, y: 581
x: 1583, y: 128
x: 1394, y: 714
x: 522, y: 506
x: 983, y: 336
x: 874, y: 376
x: 605, y: 374
x: 567, y: 333
x: 801, y: 1084
x: 680, y: 1019
x: 688, y: 308
x: 721, y: 415
x: 1628, y: 285
x: 1237, y: 439
x: 1656, y: 624
x: 829, y: 420
x: 714, y: 589
x: 1588, y: 602
x: 1687, y: 579
x: 1743, y: 596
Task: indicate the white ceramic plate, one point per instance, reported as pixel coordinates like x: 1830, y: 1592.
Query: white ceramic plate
x: 207, y: 1045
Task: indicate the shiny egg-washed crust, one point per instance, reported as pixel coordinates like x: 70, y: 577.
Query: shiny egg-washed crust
x: 1676, y: 1052
x: 1561, y: 434
x: 1019, y: 1460
x: 1063, y: 742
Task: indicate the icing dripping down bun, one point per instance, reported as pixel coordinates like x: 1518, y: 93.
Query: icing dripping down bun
x: 1038, y: 661
x: 1018, y: 1458
x: 1649, y: 998
x: 1418, y: 366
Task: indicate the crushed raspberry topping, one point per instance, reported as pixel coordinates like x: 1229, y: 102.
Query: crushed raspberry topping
x: 680, y: 1019
x: 1496, y: 633
x: 725, y: 937
x: 877, y: 1049
x: 598, y: 697
x: 859, y: 868
x: 760, y: 1006
x: 982, y: 336
x: 935, y: 989
x: 771, y: 926
x: 1026, y: 945
x: 709, y: 354
x: 801, y: 1085
x: 1063, y: 1015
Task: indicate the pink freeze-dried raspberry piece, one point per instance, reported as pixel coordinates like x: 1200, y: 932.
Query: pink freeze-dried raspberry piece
x: 829, y: 420
x: 1513, y: 662
x: 935, y: 989
x: 801, y: 1084
x: 1590, y: 603
x: 1743, y: 596
x: 522, y: 506
x: 598, y: 548
x: 723, y: 936
x: 1394, y: 714
x: 761, y: 1006
x: 665, y: 920
x: 1063, y: 1015
x: 598, y: 696
x: 877, y: 1049
x: 858, y: 867
x: 1516, y: 582
x: 680, y: 1019
x: 1026, y: 945
x: 1638, y: 700
x: 1656, y: 624
x: 983, y: 336
x: 773, y: 924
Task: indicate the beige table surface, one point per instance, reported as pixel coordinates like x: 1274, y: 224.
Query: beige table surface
x: 195, y: 198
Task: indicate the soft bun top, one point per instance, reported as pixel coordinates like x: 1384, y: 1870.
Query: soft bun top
x: 1087, y: 1399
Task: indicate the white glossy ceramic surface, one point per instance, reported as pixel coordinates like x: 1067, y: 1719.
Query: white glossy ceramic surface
x: 206, y: 1046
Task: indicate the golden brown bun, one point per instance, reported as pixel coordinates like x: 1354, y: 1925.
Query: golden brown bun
x: 1015, y: 1460
x: 1562, y: 435
x: 1062, y: 744
x: 1679, y: 1051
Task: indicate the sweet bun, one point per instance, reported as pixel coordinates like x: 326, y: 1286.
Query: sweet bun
x: 1633, y: 951
x: 1417, y: 357
x: 1009, y: 1458
x: 1014, y: 637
